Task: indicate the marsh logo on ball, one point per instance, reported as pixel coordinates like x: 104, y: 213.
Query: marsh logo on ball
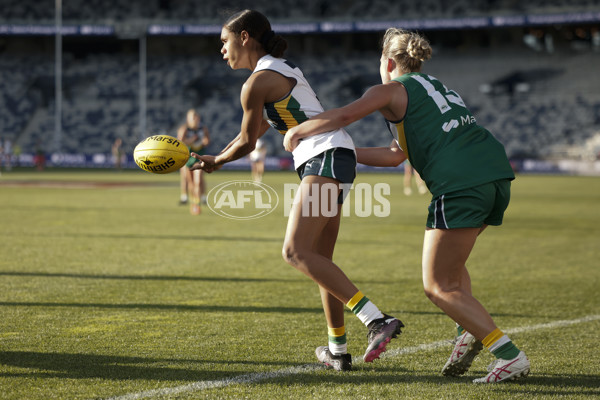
x: 161, y: 154
x: 242, y: 200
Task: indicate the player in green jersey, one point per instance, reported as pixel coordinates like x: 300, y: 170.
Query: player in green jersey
x: 467, y: 171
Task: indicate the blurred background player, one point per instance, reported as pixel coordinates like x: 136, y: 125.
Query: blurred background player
x: 192, y: 183
x: 17, y: 154
x: 409, y: 172
x: 257, y: 160
x: 117, y: 153
x: 40, y: 155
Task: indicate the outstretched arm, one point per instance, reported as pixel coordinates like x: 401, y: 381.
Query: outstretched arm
x: 253, y: 126
x: 391, y: 156
x: 376, y: 98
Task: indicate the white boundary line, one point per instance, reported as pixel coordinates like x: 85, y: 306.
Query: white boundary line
x: 261, y: 376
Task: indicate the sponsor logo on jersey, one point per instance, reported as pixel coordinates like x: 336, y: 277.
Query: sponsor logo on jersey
x: 464, y: 120
x: 448, y: 126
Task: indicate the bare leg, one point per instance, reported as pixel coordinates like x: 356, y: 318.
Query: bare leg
x: 202, y: 185
x: 421, y: 186
x: 303, y: 231
x: 446, y: 279
x: 253, y: 170
x: 194, y: 185
x: 333, y: 308
x: 183, y: 182
x: 407, y: 177
x: 260, y: 170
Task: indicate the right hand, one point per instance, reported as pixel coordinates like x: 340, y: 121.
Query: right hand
x: 206, y: 163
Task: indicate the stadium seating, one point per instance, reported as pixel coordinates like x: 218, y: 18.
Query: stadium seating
x: 531, y: 100
x: 112, y: 11
x: 101, y: 97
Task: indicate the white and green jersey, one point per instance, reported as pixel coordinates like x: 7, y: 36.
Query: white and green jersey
x: 443, y: 141
x: 296, y: 107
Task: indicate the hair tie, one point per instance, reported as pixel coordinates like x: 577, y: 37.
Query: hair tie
x: 266, y: 37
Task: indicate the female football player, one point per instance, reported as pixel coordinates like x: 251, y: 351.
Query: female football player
x: 196, y: 137
x: 277, y: 88
x: 468, y: 174
x: 257, y: 160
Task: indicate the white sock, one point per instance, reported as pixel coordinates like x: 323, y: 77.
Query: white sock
x: 337, y: 349
x: 369, y: 313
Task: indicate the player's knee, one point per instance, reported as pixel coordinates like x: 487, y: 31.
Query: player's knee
x: 292, y: 254
x: 289, y: 254
x: 430, y: 292
x: 435, y: 295
x: 438, y: 293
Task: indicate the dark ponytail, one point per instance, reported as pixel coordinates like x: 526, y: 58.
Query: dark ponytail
x: 259, y: 28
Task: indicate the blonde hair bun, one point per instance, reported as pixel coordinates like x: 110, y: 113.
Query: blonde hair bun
x: 408, y: 49
x: 419, y: 49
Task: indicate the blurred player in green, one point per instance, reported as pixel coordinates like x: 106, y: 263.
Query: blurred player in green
x: 192, y: 183
x: 468, y: 174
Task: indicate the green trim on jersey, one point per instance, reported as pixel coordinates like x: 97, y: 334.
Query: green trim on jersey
x: 285, y: 114
x: 443, y: 141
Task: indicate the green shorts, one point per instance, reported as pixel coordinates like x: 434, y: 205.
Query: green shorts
x: 192, y: 160
x: 338, y: 163
x: 471, y: 207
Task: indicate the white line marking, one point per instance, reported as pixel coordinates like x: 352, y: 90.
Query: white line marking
x: 555, y: 324
x: 442, y: 343
x: 202, y: 385
x: 261, y: 376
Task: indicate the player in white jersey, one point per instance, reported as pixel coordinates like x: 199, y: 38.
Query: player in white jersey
x: 277, y: 94
x: 296, y: 107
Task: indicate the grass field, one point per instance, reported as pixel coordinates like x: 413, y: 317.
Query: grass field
x: 113, y: 290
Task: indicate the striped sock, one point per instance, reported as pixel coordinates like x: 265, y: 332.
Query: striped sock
x: 500, y: 345
x: 337, y: 340
x: 363, y: 308
x: 459, y: 330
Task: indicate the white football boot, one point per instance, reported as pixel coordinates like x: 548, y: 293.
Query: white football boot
x: 466, y: 347
x: 506, y: 370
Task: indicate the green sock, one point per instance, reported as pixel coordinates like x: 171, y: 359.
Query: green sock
x: 500, y: 345
x: 460, y: 330
x: 507, y: 351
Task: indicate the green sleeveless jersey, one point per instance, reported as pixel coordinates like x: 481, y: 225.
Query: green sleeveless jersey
x: 443, y: 141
